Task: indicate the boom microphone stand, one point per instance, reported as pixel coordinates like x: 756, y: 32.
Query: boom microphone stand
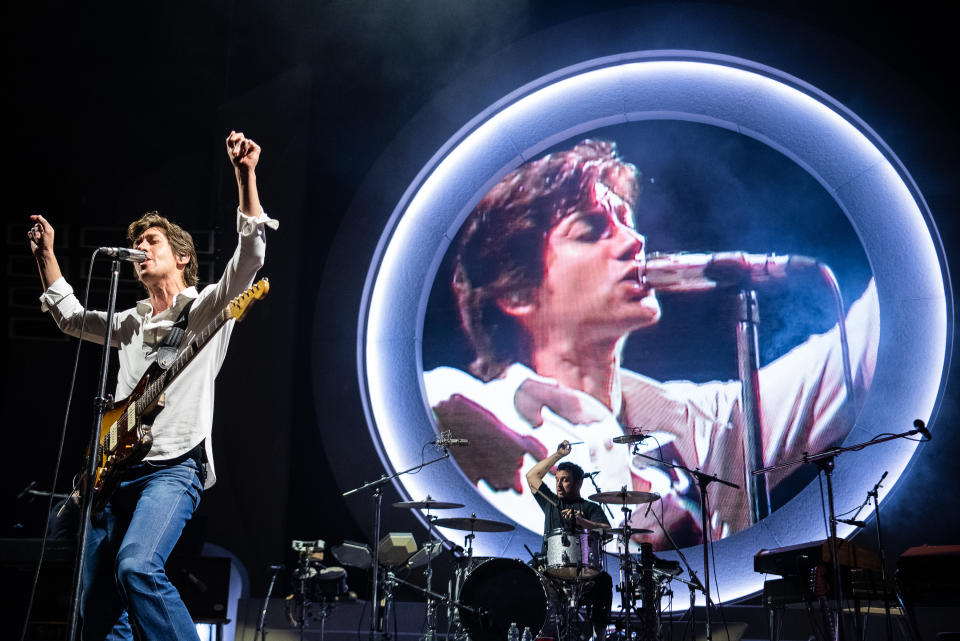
x: 703, y: 480
x: 100, y: 403
x: 377, y: 486
x: 825, y: 461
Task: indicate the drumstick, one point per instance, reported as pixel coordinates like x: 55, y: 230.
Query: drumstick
x: 549, y: 500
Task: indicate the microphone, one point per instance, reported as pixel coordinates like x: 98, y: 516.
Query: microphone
x: 697, y: 272
x: 124, y: 253
x: 852, y: 522
x: 922, y: 429
x: 590, y: 475
x: 27, y: 491
x: 447, y: 440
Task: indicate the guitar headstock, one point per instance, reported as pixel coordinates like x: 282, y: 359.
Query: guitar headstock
x: 238, y: 306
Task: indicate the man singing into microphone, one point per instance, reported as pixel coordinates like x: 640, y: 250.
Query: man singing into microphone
x: 548, y: 283
x: 124, y: 587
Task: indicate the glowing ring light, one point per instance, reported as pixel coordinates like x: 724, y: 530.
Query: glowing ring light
x: 834, y: 146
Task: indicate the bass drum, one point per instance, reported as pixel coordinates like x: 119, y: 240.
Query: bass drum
x: 503, y: 591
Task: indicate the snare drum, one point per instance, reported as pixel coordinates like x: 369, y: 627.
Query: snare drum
x: 503, y: 591
x: 574, y: 555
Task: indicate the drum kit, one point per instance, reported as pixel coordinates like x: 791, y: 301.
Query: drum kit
x: 562, y: 594
x: 550, y: 595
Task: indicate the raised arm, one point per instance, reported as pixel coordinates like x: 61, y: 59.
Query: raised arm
x: 537, y: 472
x: 244, y: 155
x: 41, y: 244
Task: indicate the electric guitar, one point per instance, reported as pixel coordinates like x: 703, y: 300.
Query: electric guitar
x: 126, y: 429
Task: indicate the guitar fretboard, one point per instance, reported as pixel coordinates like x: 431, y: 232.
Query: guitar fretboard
x: 130, y: 418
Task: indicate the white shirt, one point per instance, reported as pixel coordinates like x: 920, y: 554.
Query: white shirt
x: 802, y: 394
x: 187, y: 417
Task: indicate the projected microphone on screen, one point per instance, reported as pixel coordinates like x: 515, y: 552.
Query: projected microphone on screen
x: 551, y: 275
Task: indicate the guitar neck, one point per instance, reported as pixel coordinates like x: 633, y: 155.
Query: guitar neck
x: 187, y: 353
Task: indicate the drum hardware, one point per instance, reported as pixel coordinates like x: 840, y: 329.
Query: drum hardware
x: 430, y: 550
x: 353, y: 554
x: 613, y: 530
x: 624, y: 497
x: 463, y: 568
x: 376, y: 621
x: 396, y: 548
x: 574, y: 555
x: 427, y: 504
x: 497, y: 592
x: 703, y: 481
x: 314, y: 584
x: 473, y: 524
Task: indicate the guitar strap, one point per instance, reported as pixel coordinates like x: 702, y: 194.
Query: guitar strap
x: 170, y: 347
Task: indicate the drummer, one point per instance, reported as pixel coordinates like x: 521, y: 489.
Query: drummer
x: 568, y: 510
x: 565, y: 509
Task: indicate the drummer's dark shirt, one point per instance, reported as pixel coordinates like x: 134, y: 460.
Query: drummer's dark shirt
x: 553, y: 519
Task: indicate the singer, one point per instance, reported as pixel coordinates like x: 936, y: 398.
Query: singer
x: 547, y: 282
x: 124, y: 587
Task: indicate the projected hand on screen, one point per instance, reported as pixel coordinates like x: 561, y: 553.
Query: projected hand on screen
x: 496, y: 452
x: 533, y: 396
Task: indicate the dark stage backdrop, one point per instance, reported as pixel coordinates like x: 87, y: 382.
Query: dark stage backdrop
x: 116, y: 112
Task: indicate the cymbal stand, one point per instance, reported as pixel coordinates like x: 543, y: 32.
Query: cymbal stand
x: 464, y: 561
x: 431, y: 632
x: 393, y: 579
x: 302, y: 573
x: 626, y: 573
x: 825, y: 461
x: 376, y: 627
x: 599, y: 491
x: 703, y: 480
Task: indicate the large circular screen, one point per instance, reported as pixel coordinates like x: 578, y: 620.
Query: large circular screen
x: 508, y: 306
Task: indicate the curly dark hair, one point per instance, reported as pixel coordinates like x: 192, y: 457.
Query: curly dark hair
x: 181, y: 242
x: 502, y: 243
x: 575, y: 471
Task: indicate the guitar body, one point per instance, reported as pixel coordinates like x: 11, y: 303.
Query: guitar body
x: 125, y: 438
x: 125, y: 432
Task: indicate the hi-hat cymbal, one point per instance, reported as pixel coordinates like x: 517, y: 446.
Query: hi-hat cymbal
x: 473, y: 524
x: 428, y: 504
x: 624, y: 498
x: 613, y: 529
x: 629, y: 438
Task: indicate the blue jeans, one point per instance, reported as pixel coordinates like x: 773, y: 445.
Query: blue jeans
x: 124, y: 583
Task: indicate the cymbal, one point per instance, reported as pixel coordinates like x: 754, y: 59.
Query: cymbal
x: 629, y: 438
x: 429, y: 504
x: 473, y: 524
x: 623, y: 497
x: 612, y: 529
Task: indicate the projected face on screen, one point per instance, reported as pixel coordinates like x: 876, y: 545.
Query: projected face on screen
x: 541, y: 327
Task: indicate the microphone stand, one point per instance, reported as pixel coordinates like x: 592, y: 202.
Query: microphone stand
x: 597, y: 488
x: 703, y: 480
x: 266, y: 602
x: 377, y: 486
x: 825, y: 461
x: 100, y: 403
x: 748, y: 370
x: 694, y: 584
x: 888, y: 620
